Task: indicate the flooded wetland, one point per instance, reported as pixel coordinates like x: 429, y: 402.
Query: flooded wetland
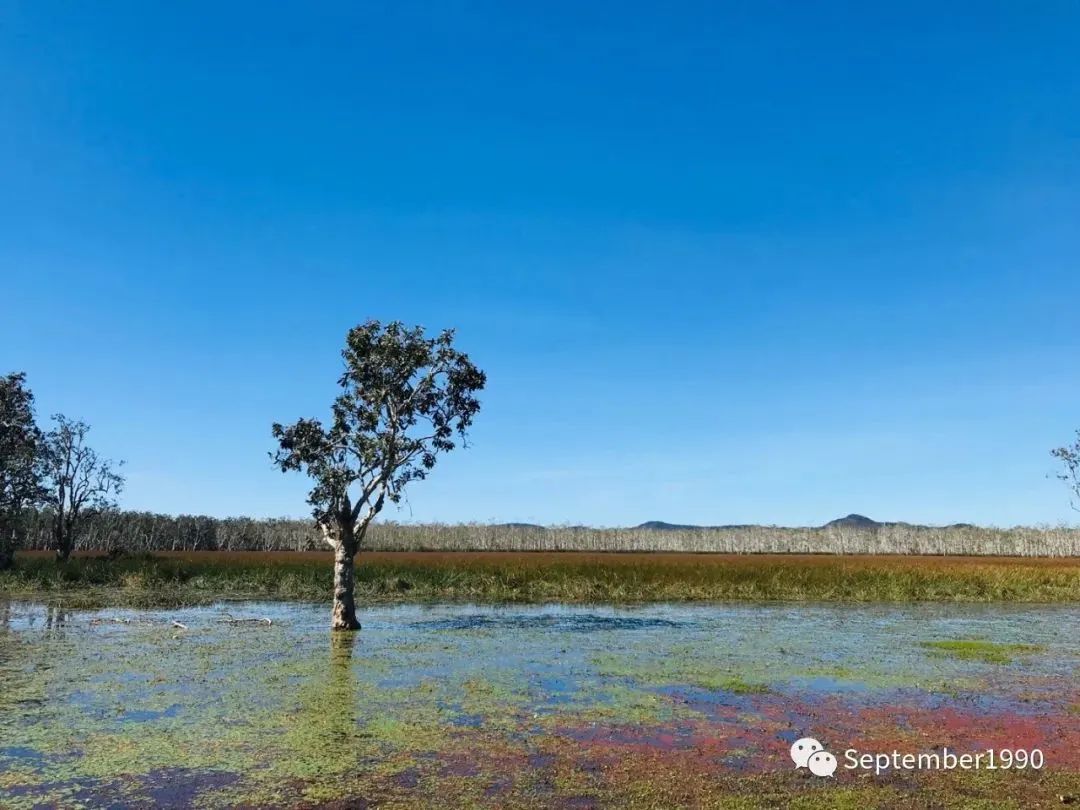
x: 256, y: 704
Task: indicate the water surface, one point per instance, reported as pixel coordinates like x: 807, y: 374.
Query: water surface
x: 255, y: 701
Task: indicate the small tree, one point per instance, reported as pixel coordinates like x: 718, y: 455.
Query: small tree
x: 1069, y: 456
x: 20, y: 472
x: 404, y: 399
x: 79, y: 481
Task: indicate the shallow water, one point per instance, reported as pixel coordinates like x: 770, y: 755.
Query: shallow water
x: 123, y: 706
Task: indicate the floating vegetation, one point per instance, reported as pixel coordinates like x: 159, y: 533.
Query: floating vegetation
x: 992, y: 652
x: 507, y: 706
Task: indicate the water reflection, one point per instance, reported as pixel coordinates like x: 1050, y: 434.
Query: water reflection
x: 15, y: 616
x: 55, y: 618
x: 325, y: 716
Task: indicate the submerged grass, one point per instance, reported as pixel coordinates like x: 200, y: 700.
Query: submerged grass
x: 163, y: 579
x: 419, y: 712
x: 991, y: 652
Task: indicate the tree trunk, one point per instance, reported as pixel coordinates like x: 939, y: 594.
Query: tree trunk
x: 8, y: 542
x: 61, y: 543
x: 344, y: 613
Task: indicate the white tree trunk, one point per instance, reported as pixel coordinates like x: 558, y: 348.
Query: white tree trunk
x: 343, y: 616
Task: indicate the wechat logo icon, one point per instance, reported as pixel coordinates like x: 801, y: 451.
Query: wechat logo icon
x: 809, y: 753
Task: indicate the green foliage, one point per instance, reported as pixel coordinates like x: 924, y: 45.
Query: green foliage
x: 404, y: 399
x: 20, y: 472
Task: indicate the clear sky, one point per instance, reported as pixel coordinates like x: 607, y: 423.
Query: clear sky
x: 723, y: 262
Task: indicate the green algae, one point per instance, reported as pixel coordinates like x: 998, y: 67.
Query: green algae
x: 746, y: 674
x: 295, y: 714
x: 991, y: 652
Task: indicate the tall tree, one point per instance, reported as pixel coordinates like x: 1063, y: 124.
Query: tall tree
x: 404, y: 399
x: 20, y: 473
x: 1069, y: 456
x: 78, y: 481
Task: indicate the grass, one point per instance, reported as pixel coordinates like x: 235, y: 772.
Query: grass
x: 200, y: 577
x: 991, y: 652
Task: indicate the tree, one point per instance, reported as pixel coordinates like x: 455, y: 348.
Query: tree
x: 1069, y: 456
x: 79, y: 481
x: 20, y: 473
x: 404, y: 399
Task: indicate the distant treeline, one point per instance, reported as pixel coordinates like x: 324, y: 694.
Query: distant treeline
x: 124, y: 531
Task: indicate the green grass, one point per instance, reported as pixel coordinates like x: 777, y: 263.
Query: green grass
x: 991, y: 652
x: 161, y: 580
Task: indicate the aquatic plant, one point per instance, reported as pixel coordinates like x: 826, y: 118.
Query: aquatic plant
x: 993, y: 652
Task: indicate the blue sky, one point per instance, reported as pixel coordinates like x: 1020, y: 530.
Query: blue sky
x: 748, y: 262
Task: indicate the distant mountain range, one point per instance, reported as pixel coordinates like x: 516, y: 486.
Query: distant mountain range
x: 852, y: 521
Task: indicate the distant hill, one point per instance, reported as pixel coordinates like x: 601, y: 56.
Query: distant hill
x: 661, y: 526
x: 852, y: 521
x: 532, y: 526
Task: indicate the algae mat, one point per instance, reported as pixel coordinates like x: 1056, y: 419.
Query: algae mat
x: 254, y: 704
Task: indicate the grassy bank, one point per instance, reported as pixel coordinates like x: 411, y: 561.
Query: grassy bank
x: 200, y: 577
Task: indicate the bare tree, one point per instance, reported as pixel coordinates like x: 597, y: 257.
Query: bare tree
x: 1069, y: 456
x: 20, y: 473
x: 78, y: 479
x: 404, y: 398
